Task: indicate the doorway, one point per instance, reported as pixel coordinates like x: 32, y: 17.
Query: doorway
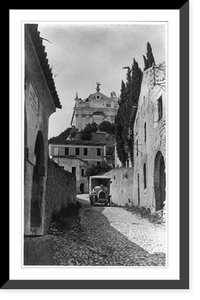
x: 159, y: 181
x: 38, y: 183
x: 82, y: 188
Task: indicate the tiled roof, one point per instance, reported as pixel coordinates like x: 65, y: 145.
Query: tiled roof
x: 71, y: 157
x: 80, y: 142
x: 42, y: 56
x: 84, y: 143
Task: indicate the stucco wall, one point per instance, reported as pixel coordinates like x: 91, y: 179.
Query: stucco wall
x: 147, y: 119
x: 122, y: 185
x: 68, y: 163
x: 97, y: 108
x: 38, y: 250
x: 60, y: 191
x: 91, y: 151
x: 38, y: 106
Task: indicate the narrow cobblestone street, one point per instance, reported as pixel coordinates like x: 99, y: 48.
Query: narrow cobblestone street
x: 106, y: 236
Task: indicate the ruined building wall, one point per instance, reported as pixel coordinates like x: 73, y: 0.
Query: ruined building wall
x: 150, y: 140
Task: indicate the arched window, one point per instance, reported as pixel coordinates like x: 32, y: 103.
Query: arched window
x: 159, y: 180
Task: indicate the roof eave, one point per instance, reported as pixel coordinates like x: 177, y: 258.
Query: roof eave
x: 42, y: 57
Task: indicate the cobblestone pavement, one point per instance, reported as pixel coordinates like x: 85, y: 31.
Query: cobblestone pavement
x: 147, y: 235
x: 107, y: 236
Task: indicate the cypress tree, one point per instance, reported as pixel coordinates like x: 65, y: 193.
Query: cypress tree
x: 146, y: 63
x: 129, y: 96
x: 149, y: 60
x: 136, y: 81
x: 150, y: 56
x: 119, y: 125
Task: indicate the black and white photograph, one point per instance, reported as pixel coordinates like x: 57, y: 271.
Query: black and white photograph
x: 99, y: 151
x: 95, y: 144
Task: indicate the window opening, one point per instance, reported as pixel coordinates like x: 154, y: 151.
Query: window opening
x: 98, y: 152
x: 85, y: 151
x: 145, y: 132
x: 82, y: 172
x: 145, y: 176
x: 160, y: 108
x: 77, y: 151
x: 74, y: 171
x: 66, y: 151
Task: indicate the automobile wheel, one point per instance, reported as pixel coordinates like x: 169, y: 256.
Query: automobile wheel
x: 93, y: 201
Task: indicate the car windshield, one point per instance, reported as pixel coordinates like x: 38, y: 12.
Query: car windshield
x: 100, y: 181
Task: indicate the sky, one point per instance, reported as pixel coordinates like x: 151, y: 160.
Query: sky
x: 82, y: 54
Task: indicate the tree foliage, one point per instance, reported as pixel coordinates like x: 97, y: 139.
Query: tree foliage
x: 119, y: 126
x: 149, y: 60
x: 146, y: 63
x: 129, y: 96
x: 61, y: 138
x: 98, y: 170
x: 108, y: 127
x: 92, y: 126
x: 73, y: 132
x: 70, y: 133
x: 86, y: 133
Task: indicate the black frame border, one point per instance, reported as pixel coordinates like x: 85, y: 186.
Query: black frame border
x: 183, y: 282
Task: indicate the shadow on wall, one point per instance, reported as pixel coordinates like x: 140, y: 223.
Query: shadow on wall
x: 159, y: 181
x: 60, y: 190
x: 122, y: 185
x: 38, y: 183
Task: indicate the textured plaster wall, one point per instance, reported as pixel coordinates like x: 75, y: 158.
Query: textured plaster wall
x: 60, y: 191
x: 91, y: 151
x: 85, y: 111
x: 38, y: 250
x: 122, y: 185
x: 155, y: 140
x: 68, y: 163
x: 38, y: 107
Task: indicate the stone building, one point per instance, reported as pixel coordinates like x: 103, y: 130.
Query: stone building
x: 97, y: 108
x: 78, y: 168
x: 149, y: 178
x: 75, y: 156
x: 107, y: 139
x: 40, y: 101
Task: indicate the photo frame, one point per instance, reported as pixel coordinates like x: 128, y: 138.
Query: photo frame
x: 183, y: 281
